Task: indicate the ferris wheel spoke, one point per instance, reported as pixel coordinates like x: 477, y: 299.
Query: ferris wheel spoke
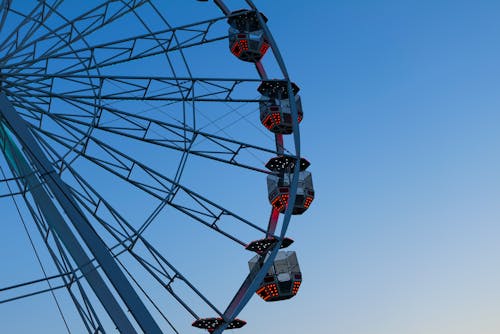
x: 31, y: 108
x: 52, y: 278
x: 162, y: 262
x: 53, y: 281
x: 128, y: 49
x: 4, y: 10
x: 67, y: 277
x: 164, y: 189
x: 63, y: 134
x: 162, y: 267
x: 160, y: 272
x: 156, y: 184
x: 28, y: 55
x: 156, y: 306
x: 72, y: 31
x: 171, y: 136
x: 12, y: 40
x: 133, y: 88
x: 10, y: 182
x: 163, y: 271
x: 14, y: 87
x: 69, y: 274
x: 154, y: 131
x: 31, y: 294
x: 36, y: 19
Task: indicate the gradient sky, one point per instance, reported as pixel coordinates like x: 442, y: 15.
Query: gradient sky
x: 401, y: 129
x: 401, y: 116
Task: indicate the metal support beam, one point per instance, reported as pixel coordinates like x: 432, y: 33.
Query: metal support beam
x: 222, y: 7
x: 18, y: 162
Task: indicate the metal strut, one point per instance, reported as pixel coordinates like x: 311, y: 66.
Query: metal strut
x: 34, y: 160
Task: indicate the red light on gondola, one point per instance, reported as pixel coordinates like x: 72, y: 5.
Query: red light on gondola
x: 296, y: 286
x: 272, y: 120
x: 263, y: 48
x: 244, y: 44
x: 280, y: 202
x: 236, y: 50
x: 308, y: 202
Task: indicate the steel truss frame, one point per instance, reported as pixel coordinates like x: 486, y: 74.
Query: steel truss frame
x: 58, y: 209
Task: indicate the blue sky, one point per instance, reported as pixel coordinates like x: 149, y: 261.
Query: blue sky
x: 401, y: 115
x: 402, y: 107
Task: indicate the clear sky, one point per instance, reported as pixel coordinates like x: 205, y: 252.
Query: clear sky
x: 400, y: 126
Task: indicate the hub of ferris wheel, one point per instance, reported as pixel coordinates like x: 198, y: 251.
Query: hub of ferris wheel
x: 249, y: 43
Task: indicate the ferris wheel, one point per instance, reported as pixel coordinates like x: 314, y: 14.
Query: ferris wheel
x: 137, y: 139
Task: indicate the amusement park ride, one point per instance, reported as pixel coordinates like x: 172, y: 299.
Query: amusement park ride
x: 42, y: 145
